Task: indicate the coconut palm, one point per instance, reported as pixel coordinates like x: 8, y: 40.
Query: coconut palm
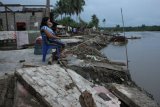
x: 59, y: 7
x: 70, y: 7
x: 94, y: 21
x: 104, y: 21
x: 78, y: 6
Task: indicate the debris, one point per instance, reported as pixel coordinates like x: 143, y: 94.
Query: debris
x: 25, y: 65
x: 104, y: 96
x: 22, y: 61
x: 48, y: 85
x: 86, y: 99
x: 70, y: 86
x: 132, y: 96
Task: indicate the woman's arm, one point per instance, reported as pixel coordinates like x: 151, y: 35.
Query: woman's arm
x: 50, y: 35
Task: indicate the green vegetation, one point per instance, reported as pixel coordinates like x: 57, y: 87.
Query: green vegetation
x: 143, y: 27
x: 68, y: 21
x: 94, y: 21
x: 104, y: 22
x: 68, y: 7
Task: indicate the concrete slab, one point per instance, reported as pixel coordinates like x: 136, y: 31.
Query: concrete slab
x: 107, y: 95
x: 23, y: 98
x: 7, y: 91
x: 3, y: 90
x: 73, y: 60
x: 132, y: 96
x: 71, y: 41
x: 108, y: 66
x: 10, y: 60
x: 59, y: 87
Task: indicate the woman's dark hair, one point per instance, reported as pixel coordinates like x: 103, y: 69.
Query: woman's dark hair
x: 44, y: 22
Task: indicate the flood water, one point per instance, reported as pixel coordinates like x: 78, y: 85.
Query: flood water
x: 144, y: 60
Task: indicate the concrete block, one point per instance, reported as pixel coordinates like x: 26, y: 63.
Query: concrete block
x: 50, y: 91
x: 39, y: 81
x: 29, y: 72
x: 20, y: 71
x: 52, y: 85
x: 28, y: 79
x: 41, y: 71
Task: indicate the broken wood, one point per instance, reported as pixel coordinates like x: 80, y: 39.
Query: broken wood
x: 25, y: 65
x: 86, y: 99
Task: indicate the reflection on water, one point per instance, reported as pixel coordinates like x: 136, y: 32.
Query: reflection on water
x: 144, y: 60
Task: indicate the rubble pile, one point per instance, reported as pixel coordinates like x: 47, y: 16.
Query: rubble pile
x: 90, y: 47
x: 81, y: 79
x: 88, y: 61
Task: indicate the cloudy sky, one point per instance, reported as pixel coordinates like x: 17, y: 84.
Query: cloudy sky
x: 136, y: 12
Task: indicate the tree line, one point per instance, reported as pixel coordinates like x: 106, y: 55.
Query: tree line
x: 66, y: 8
x: 143, y: 27
x: 68, y: 21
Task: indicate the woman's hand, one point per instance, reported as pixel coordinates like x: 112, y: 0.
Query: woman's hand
x: 50, y: 35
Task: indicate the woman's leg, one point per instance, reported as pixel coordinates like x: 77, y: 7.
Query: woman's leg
x: 60, y: 44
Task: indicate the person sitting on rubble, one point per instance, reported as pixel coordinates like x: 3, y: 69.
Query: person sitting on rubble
x: 45, y: 29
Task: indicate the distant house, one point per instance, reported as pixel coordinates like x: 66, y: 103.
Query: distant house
x: 20, y: 18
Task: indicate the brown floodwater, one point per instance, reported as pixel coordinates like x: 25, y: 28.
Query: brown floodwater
x: 144, y: 60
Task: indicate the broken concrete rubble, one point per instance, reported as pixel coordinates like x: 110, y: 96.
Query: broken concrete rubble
x: 91, y: 64
x: 7, y: 91
x: 49, y: 82
x: 132, y: 96
x: 88, y: 64
x: 84, y: 59
x: 23, y: 98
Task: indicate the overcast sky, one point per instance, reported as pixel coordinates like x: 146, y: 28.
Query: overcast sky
x: 136, y: 12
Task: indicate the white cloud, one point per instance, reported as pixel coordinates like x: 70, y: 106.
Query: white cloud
x: 136, y: 12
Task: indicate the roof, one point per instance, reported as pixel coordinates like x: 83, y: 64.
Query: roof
x: 22, y: 8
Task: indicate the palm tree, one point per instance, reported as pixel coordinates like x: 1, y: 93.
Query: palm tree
x: 104, y: 21
x: 59, y: 7
x: 78, y: 6
x: 95, y: 21
x: 70, y: 7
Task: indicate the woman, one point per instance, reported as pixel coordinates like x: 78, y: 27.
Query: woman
x: 46, y: 30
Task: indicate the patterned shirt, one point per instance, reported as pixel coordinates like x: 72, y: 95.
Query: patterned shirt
x: 48, y: 29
